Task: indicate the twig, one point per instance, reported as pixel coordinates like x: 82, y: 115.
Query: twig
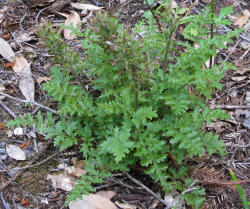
x: 97, y: 3
x: 246, y: 52
x: 147, y: 189
x: 27, y: 101
x: 28, y: 178
x: 241, y: 9
x: 232, y: 50
x: 118, y: 181
x: 30, y: 166
x: 189, y: 189
x: 230, y: 107
x: 126, y: 3
x: 7, y: 109
x: 40, y: 13
x: 20, y: 24
x: 3, y: 201
x: 152, y: 12
x: 128, y: 204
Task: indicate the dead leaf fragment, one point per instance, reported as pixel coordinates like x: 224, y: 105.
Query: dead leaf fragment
x: 241, y: 20
x: 7, y: 36
x: 8, y: 65
x: 243, y: 70
x: 75, y: 171
x: 106, y: 194
x: 41, y: 3
x: 94, y: 200
x: 23, y: 202
x: 23, y: 36
x: 62, y: 181
x: 125, y: 206
x: 26, y: 84
x: 15, y: 152
x: 42, y: 79
x: 239, y: 78
x: 6, y: 51
x: 75, y: 19
x: 1, y: 125
x: 19, y: 64
x: 85, y: 6
x: 2, y: 87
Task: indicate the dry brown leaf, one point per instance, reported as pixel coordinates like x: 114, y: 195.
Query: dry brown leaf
x: 62, y: 181
x: 219, y: 126
x: 75, y: 19
x: 26, y: 84
x: 8, y: 65
x: 2, y: 125
x: 75, y: 171
x: 41, y: 3
x: 6, y: 36
x: 85, y: 6
x: 23, y: 36
x: 15, y: 152
x: 42, y: 79
x: 125, y: 206
x: 243, y: 70
x: 6, y: 51
x: 106, y: 194
x: 24, y: 202
x: 94, y: 202
x: 78, y: 204
x: 2, y: 87
x: 241, y: 20
x: 19, y: 64
x: 239, y: 78
x: 80, y: 164
x: 62, y: 14
x: 205, y: 173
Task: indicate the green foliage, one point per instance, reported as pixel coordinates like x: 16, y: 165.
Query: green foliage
x: 195, y: 197
x: 134, y: 111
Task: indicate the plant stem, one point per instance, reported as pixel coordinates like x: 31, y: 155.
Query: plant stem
x: 73, y: 71
x: 167, y: 48
x: 159, y: 26
x: 136, y: 100
x: 212, y: 31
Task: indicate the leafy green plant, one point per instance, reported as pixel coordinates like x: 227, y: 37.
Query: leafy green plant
x: 132, y: 103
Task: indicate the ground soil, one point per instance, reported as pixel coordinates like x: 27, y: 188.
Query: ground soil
x: 31, y: 187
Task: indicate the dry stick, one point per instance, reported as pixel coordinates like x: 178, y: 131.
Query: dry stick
x: 147, y: 189
x: 232, y: 50
x: 189, y: 189
x: 241, y: 9
x: 40, y: 13
x: 126, y: 3
x: 20, y: 24
x: 7, y: 109
x: 29, y: 164
x: 246, y: 52
x: 128, y: 204
x: 3, y: 201
x: 27, y: 101
x: 230, y: 107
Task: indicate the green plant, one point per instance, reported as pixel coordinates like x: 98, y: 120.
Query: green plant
x: 132, y: 104
x: 240, y: 190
